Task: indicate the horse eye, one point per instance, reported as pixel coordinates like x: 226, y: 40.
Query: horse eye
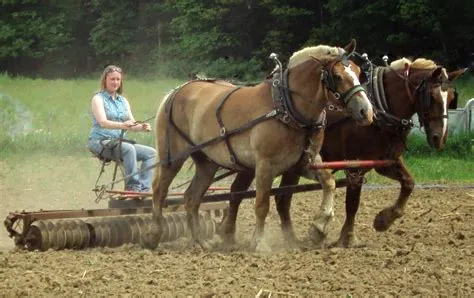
x: 337, y: 78
x: 445, y: 86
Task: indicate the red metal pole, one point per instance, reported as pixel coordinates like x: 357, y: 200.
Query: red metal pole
x: 352, y: 164
x: 137, y: 193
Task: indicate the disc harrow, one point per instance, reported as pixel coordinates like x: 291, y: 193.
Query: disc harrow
x: 80, y: 229
x: 128, y: 217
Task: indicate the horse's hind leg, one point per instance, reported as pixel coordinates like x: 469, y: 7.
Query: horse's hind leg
x: 164, y: 175
x: 227, y: 228
x: 203, y: 177
x: 347, y: 236
x: 283, y: 205
x: 399, y: 172
x: 319, y: 227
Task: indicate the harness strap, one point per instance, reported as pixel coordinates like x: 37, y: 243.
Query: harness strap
x: 168, y: 111
x: 223, y: 131
x: 380, y: 96
x: 374, y: 87
x: 199, y: 147
x: 224, y: 135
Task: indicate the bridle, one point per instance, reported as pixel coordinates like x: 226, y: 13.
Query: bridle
x: 281, y: 92
x: 422, y: 91
x: 327, y: 76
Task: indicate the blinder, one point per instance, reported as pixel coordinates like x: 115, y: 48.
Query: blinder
x: 327, y: 77
x: 424, y: 106
x: 454, y: 103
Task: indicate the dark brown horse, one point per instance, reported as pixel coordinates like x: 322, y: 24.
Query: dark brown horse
x: 262, y: 130
x: 403, y: 89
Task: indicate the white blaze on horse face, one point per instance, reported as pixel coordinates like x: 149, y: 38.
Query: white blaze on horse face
x: 352, y: 74
x: 444, y: 96
x: 355, y: 78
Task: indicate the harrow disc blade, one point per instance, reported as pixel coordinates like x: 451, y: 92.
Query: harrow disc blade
x: 37, y: 237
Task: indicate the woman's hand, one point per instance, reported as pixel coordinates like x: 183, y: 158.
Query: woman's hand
x: 146, y: 127
x: 129, y: 124
x: 137, y: 126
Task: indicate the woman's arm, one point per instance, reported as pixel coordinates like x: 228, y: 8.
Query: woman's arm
x: 98, y: 111
x: 136, y: 127
x: 130, y: 114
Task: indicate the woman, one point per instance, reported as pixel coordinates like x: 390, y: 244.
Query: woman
x: 112, y: 117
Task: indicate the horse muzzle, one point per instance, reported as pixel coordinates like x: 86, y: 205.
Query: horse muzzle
x: 360, y: 108
x: 436, y: 141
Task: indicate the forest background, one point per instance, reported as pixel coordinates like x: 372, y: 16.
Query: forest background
x: 221, y: 38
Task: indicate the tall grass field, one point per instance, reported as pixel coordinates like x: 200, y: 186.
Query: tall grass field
x: 52, y: 118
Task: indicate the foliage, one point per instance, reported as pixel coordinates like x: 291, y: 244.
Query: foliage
x: 29, y: 32
x: 221, y: 38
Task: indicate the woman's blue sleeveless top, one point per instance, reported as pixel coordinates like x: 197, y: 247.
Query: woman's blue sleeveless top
x: 115, y: 110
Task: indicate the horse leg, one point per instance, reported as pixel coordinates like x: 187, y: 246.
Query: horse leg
x: 203, y: 177
x: 263, y: 180
x: 227, y: 227
x: 347, y: 237
x: 164, y: 175
x: 283, y: 205
x: 319, y: 227
x: 399, y: 172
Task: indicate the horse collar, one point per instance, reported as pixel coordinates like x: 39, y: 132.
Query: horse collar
x: 284, y: 107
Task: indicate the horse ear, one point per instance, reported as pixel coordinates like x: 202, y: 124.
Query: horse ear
x: 407, y: 67
x: 455, y: 74
x: 350, y: 47
x: 437, y: 72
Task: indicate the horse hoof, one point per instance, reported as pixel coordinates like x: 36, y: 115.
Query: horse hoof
x: 150, y: 238
x: 227, y: 238
x: 316, y: 235
x: 263, y: 247
x: 385, y: 219
x: 205, y: 245
x: 346, y: 242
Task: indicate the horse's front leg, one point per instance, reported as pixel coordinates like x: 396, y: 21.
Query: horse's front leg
x: 319, y: 227
x: 399, y: 172
x: 227, y: 227
x: 263, y: 180
x: 201, y: 181
x: 283, y: 205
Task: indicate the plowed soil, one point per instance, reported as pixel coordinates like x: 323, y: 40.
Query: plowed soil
x: 428, y: 252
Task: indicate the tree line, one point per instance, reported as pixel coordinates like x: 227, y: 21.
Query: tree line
x: 221, y: 38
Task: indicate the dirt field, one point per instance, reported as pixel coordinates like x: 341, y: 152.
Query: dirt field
x: 429, y: 252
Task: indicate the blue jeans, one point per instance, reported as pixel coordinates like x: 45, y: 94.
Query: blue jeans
x: 130, y: 154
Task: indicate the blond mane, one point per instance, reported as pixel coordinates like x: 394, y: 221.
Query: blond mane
x: 420, y: 63
x: 316, y: 51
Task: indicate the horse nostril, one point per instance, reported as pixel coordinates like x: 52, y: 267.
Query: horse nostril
x: 436, y: 139
x: 363, y: 112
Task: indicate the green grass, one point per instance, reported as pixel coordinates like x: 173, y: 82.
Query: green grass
x: 54, y: 115
x: 52, y: 118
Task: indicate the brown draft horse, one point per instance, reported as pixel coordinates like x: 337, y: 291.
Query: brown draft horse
x: 406, y: 88
x: 262, y: 129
